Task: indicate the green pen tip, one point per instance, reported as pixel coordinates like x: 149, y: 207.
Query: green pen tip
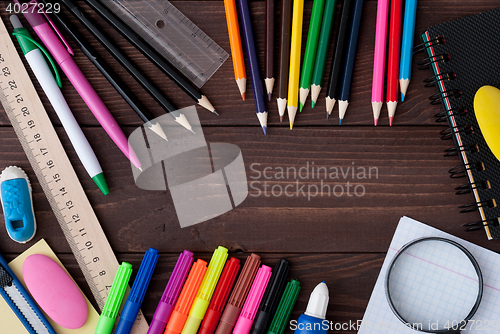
x: 101, y: 183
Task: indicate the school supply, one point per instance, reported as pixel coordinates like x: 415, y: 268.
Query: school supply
x: 171, y: 293
x: 130, y: 29
x: 323, y: 45
x: 249, y: 310
x: 115, y: 297
x: 62, y: 54
x: 137, y: 292
x: 207, y: 288
x: 350, y: 58
x: 219, y: 299
x: 239, y: 295
x: 17, y: 204
x: 269, y: 49
x: 55, y: 174
x: 233, y: 29
x: 311, y: 321
x: 407, y: 46
x: 295, y: 48
x: 12, y: 325
x: 258, y: 93
x: 460, y: 55
x: 379, y: 58
x: 487, y: 110
x: 173, y: 36
x: 379, y: 318
x: 393, y: 58
x: 271, y: 297
x: 284, y: 60
x: 310, y: 52
x: 34, y: 56
x: 285, y: 308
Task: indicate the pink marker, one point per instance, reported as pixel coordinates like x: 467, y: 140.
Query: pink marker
x: 62, y: 55
x: 379, y: 59
x: 249, y: 310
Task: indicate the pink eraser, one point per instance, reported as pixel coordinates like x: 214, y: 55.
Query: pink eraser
x: 55, y: 291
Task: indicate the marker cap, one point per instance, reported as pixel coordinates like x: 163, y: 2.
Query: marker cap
x: 318, y: 301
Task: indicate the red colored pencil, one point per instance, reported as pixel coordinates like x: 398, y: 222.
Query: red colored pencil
x: 393, y: 62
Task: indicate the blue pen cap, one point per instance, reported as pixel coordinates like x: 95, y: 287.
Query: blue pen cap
x: 311, y: 325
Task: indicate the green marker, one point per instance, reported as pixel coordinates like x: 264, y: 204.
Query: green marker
x: 323, y: 44
x: 310, y: 53
x: 285, y: 308
x: 114, y: 300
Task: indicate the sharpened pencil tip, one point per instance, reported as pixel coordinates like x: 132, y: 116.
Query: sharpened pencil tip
x: 281, y: 119
x: 192, y: 131
x: 313, y: 104
x: 402, y: 97
x: 269, y: 96
x: 215, y: 112
x: 243, y: 96
x: 390, y: 120
x: 291, y: 125
x: 340, y: 121
x: 327, y: 116
x: 264, y: 128
x: 301, y: 106
x: 375, y: 121
x: 139, y: 168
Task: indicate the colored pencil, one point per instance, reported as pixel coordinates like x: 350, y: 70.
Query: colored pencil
x: 323, y: 44
x: 393, y: 58
x: 258, y: 92
x: 332, y: 91
x: 310, y: 53
x: 269, y: 50
x: 379, y: 58
x: 131, y: 36
x: 284, y: 60
x: 350, y: 58
x: 293, y: 77
x: 407, y: 46
x: 233, y: 29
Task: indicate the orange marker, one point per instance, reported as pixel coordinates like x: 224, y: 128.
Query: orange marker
x: 236, y: 49
x: 186, y: 298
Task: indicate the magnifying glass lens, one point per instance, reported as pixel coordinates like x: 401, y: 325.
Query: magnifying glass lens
x: 433, y: 285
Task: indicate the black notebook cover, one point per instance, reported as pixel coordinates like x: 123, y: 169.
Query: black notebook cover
x: 464, y: 55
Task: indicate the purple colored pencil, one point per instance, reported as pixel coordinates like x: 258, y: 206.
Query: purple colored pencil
x: 171, y: 293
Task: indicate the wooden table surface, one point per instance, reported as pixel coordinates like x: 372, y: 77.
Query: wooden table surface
x: 341, y: 240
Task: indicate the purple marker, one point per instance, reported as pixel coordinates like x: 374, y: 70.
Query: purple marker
x: 171, y: 293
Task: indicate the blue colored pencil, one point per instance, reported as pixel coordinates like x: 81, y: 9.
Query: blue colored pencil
x: 407, y: 46
x: 350, y: 58
x: 258, y: 91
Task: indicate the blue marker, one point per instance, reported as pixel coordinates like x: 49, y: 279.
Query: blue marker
x: 407, y: 46
x: 313, y: 320
x: 136, y: 295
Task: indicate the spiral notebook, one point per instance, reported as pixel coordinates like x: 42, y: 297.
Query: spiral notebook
x: 464, y: 55
x: 379, y: 318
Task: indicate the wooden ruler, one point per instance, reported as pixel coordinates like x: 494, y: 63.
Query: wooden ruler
x: 56, y: 175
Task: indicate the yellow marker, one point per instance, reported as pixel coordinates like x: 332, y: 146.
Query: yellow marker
x: 294, y: 75
x: 487, y: 111
x: 206, y: 291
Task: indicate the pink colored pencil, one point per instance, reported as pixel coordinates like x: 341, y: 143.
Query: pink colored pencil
x: 379, y: 59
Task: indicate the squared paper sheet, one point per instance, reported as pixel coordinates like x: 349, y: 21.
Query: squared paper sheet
x: 378, y: 316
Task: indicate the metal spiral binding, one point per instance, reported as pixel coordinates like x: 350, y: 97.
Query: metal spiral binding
x: 475, y: 206
x: 445, y: 114
x: 459, y: 171
x: 448, y: 133
x: 426, y: 62
x: 468, y: 187
x: 479, y: 225
x: 431, y: 81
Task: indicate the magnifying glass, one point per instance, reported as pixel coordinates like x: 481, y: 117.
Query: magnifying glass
x: 434, y: 285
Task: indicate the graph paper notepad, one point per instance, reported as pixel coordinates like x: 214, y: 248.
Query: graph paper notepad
x: 378, y: 316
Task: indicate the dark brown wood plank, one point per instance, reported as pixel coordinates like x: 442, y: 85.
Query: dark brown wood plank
x: 222, y: 91
x: 412, y: 180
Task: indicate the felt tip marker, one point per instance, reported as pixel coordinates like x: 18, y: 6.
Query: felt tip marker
x: 315, y: 312
x: 219, y: 299
x: 239, y: 295
x: 249, y: 310
x: 285, y: 308
x: 114, y: 300
x: 271, y: 297
x: 137, y: 293
x: 171, y: 293
x: 186, y: 298
x: 207, y: 288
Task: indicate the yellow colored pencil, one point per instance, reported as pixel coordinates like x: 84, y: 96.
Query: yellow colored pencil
x: 294, y: 74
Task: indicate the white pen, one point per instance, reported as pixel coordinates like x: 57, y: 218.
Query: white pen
x: 42, y: 72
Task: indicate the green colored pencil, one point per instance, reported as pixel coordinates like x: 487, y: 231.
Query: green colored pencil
x: 310, y: 54
x: 324, y: 43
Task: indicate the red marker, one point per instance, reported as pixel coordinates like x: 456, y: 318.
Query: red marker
x: 393, y: 62
x: 219, y: 299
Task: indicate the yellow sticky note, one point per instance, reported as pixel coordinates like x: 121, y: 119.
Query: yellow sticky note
x: 9, y: 321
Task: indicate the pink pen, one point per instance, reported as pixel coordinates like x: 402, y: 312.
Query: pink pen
x: 379, y: 59
x: 62, y: 55
x: 249, y: 310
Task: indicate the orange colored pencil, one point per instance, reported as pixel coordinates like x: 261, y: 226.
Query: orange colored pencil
x: 236, y: 49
